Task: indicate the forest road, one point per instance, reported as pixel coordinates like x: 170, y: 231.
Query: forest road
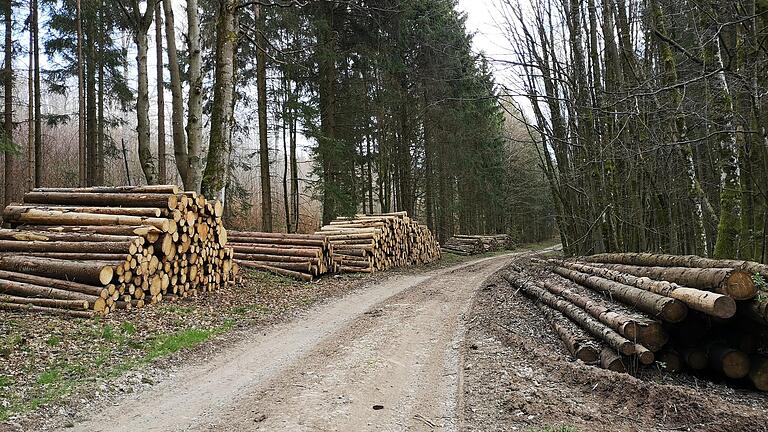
x: 383, y: 358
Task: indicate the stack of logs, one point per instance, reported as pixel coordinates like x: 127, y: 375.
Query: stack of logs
x: 681, y: 312
x: 369, y: 243
x: 476, y: 244
x: 302, y: 256
x: 86, y: 251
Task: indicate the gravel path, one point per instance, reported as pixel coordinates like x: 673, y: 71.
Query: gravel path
x: 384, y: 358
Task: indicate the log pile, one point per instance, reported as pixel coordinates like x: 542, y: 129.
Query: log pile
x: 369, y: 243
x: 301, y: 256
x: 466, y: 245
x: 87, y: 251
x: 623, y: 311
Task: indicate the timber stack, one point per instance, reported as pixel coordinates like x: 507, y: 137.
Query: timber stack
x: 89, y: 251
x: 476, y: 244
x: 369, y: 243
x: 622, y: 311
x: 301, y: 256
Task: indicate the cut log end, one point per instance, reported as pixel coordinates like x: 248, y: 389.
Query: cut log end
x: 611, y: 361
x: 739, y: 285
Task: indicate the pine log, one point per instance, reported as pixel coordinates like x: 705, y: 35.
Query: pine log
x: 731, y: 362
x: 696, y: 358
x: 666, y: 308
x: 161, y: 200
x: 736, y: 284
x: 670, y: 360
x: 758, y: 372
x: 95, y: 291
x: 123, y: 247
x: 87, y: 272
x: 575, y: 313
x: 283, y: 236
x: 47, y: 310
x: 611, y: 361
x: 128, y: 211
x: 663, y: 260
x: 623, y: 324
x: 161, y: 189
x: 301, y: 252
x: 708, y: 302
x: 290, y: 273
x: 148, y: 232
x: 39, y: 217
x: 581, y: 347
x: 21, y: 289
x: 303, y: 267
x: 46, y: 302
x: 80, y: 256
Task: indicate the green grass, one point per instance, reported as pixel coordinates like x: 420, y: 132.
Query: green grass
x: 53, y: 341
x: 128, y: 328
x: 49, y: 377
x: 174, y: 342
x: 5, y: 381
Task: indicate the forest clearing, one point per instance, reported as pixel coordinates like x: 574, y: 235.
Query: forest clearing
x: 512, y: 215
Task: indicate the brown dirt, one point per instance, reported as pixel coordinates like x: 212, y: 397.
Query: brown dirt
x: 518, y: 376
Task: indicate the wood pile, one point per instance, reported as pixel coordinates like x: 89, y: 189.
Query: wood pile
x: 301, y: 256
x: 466, y: 245
x: 369, y: 243
x: 620, y: 311
x: 87, y: 251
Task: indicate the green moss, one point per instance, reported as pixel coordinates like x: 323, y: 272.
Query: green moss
x: 53, y: 341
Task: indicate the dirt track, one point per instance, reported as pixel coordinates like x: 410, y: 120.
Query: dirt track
x: 384, y: 358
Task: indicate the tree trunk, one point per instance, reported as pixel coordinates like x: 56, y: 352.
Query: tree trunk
x: 8, y: 145
x: 177, y: 101
x: 261, y: 85
x: 327, y: 107
x: 195, y: 103
x: 142, y: 104
x: 161, y: 158
x: 82, y: 153
x: 221, y: 110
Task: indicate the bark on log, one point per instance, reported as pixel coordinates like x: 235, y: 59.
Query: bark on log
x: 623, y: 324
x: 670, y: 360
x: 714, y: 304
x: 731, y: 362
x: 160, y: 200
x: 575, y: 313
x: 151, y: 189
x: 612, y: 361
x: 128, y: 211
x: 290, y: 273
x: 95, y: 291
x: 46, y: 310
x: 14, y: 234
x: 580, y: 347
x: 663, y: 260
x: 736, y: 284
x: 39, y: 217
x: 666, y: 308
x: 758, y: 372
x: 123, y: 247
x: 46, y: 302
x: 87, y: 272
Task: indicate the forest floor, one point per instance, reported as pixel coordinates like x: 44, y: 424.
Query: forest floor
x: 53, y: 368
